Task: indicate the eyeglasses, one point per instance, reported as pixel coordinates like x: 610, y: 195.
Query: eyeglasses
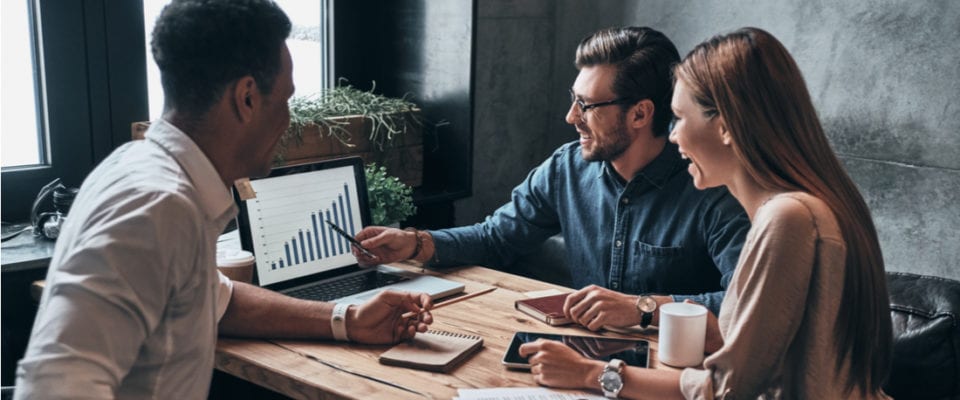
x: 584, y: 107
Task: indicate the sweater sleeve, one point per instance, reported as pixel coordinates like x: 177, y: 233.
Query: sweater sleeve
x: 771, y: 287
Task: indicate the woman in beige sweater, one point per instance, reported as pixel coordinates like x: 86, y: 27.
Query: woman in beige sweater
x: 806, y: 315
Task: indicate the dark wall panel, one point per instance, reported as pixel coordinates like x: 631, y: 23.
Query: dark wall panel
x: 423, y: 49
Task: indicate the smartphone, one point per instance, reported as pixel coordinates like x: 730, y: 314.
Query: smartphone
x: 635, y: 352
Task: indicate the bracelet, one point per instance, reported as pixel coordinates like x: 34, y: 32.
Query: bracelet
x: 416, y: 251
x: 338, y: 322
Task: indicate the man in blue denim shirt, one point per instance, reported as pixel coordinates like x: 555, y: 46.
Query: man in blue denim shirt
x: 631, y: 219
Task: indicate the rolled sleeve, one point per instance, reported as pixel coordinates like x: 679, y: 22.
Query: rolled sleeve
x: 224, y: 293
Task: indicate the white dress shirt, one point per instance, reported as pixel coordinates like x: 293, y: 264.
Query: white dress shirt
x: 133, y: 296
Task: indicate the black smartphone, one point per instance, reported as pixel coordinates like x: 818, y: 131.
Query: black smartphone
x: 635, y: 352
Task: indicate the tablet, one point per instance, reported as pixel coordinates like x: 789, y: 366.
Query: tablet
x: 633, y: 352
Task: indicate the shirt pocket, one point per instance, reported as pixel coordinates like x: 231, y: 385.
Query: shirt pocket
x: 654, y: 269
x: 649, y: 250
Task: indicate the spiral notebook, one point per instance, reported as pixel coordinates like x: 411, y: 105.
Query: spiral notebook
x: 433, y: 351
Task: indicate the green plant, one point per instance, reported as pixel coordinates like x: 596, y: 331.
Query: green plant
x: 388, y: 117
x: 390, y: 199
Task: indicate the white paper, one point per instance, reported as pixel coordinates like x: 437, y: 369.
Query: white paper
x: 541, y: 293
x: 525, y: 393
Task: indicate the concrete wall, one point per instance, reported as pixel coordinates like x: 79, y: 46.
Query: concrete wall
x: 884, y: 75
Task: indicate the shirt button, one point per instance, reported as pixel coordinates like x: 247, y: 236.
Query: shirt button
x: 614, y: 285
x: 625, y: 200
x: 619, y: 243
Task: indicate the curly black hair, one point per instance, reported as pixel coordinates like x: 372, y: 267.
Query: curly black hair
x: 201, y: 46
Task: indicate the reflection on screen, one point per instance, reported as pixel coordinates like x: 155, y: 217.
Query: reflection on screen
x: 631, y: 351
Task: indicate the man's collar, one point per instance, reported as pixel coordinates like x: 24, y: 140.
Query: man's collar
x: 215, y: 199
x: 657, y: 172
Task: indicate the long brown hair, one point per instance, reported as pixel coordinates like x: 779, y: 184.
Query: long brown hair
x: 752, y: 82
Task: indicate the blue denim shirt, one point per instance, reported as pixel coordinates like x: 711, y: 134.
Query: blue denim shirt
x: 655, y: 234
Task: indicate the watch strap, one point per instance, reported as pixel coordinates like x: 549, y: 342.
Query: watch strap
x: 338, y: 322
x: 645, y: 319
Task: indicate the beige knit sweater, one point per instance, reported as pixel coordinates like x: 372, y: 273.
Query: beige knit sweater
x: 777, y: 318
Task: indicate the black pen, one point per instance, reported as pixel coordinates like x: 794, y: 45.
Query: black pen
x: 351, y: 239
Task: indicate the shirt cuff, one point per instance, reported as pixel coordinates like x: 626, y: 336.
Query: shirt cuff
x: 696, y: 383
x: 441, y: 241
x: 224, y: 293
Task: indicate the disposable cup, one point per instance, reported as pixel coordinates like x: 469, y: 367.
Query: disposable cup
x: 236, y: 264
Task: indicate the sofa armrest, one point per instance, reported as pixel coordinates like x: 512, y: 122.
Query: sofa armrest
x: 548, y: 263
x: 925, y: 311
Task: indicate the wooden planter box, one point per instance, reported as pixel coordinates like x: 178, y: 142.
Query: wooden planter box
x: 403, y: 157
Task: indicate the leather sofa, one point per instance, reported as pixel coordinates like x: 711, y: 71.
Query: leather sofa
x: 926, y: 337
x: 926, y: 324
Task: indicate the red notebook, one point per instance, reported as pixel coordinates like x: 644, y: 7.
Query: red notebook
x: 548, y: 309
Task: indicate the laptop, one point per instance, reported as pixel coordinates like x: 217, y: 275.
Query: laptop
x: 299, y: 254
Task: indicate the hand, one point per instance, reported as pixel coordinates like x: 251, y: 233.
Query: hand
x: 713, y: 341
x: 595, y: 307
x: 556, y: 365
x: 380, y: 320
x: 388, y: 244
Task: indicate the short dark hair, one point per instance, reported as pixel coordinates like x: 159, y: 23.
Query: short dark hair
x: 644, y: 58
x: 201, y: 46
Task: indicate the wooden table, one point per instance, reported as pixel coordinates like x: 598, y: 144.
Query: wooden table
x: 330, y: 370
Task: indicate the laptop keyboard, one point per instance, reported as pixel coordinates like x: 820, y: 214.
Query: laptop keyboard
x: 346, y: 286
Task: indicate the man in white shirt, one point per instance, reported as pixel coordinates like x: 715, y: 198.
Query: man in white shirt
x: 133, y: 302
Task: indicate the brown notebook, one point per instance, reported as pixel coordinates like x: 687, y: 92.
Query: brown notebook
x: 548, y: 309
x: 433, y: 351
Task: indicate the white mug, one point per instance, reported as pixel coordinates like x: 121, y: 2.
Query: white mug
x: 683, y: 328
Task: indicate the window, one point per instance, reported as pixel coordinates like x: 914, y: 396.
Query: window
x: 308, y: 44
x: 22, y: 142
x: 75, y: 101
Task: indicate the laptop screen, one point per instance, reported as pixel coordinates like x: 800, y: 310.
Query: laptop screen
x: 285, y: 228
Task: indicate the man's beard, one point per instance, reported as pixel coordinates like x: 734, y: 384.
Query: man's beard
x: 615, y: 143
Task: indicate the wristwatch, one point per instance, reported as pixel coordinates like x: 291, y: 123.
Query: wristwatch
x: 647, y: 306
x: 611, y: 379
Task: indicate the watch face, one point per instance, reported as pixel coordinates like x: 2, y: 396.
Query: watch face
x: 647, y: 304
x: 610, y: 381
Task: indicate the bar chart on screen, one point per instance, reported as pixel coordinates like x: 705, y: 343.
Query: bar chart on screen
x: 287, y: 217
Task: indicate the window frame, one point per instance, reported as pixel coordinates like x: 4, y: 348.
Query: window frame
x: 92, y: 80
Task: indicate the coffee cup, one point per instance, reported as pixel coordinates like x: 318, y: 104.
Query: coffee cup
x: 236, y: 264
x: 683, y: 328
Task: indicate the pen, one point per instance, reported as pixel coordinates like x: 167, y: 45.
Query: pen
x: 412, y: 314
x: 353, y: 241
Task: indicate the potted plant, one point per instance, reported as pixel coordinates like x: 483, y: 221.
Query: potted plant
x: 391, y: 201
x: 344, y: 121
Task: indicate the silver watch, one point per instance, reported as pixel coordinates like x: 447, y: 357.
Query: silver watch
x: 611, y: 379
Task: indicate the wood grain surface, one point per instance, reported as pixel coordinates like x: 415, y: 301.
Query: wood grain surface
x: 313, y: 369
